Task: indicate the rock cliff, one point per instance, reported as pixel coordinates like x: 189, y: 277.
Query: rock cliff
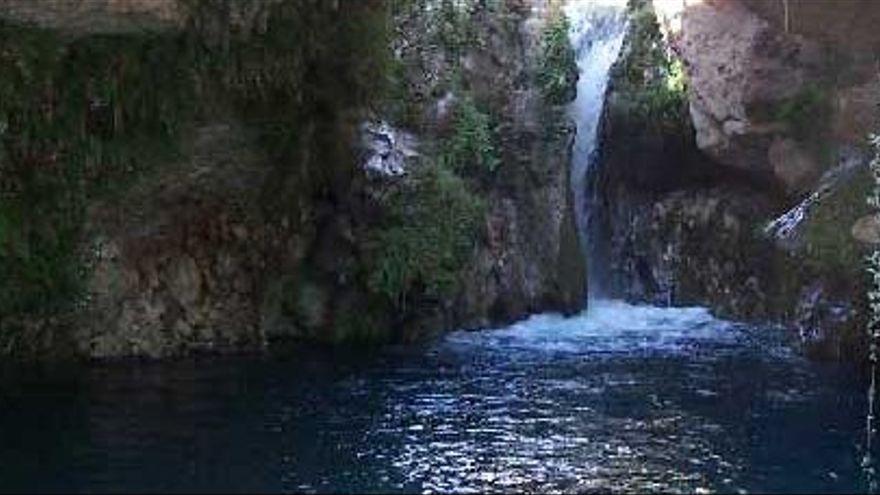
x: 741, y: 189
x: 337, y: 173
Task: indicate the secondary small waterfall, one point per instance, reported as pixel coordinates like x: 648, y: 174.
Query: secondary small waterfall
x: 597, y: 31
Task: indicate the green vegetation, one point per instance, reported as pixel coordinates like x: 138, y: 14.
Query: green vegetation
x: 80, y: 118
x: 307, y: 53
x: 432, y: 219
x: 652, y: 77
x: 77, y: 118
x: 470, y: 148
x: 430, y: 232
x: 402, y: 107
x: 454, y: 29
x: 806, y: 113
x: 297, y: 80
x: 557, y: 70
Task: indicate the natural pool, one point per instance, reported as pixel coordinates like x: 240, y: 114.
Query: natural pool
x: 622, y: 398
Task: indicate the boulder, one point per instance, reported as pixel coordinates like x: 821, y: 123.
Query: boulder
x: 737, y: 61
x: 867, y: 229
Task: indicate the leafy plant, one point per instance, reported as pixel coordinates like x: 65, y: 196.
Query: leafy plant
x: 427, y: 239
x: 557, y: 68
x: 470, y: 148
x: 454, y: 29
x: 652, y: 76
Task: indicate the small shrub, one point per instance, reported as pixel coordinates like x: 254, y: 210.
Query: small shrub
x: 471, y: 147
x: 557, y: 68
x: 652, y: 76
x: 454, y: 28
x: 429, y: 235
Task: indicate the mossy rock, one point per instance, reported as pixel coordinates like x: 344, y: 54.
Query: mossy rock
x: 830, y: 245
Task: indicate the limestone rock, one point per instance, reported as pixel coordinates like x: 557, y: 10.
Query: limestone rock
x: 796, y: 168
x: 736, y: 60
x: 867, y: 229
x: 760, y: 96
x: 387, y: 149
x: 696, y: 239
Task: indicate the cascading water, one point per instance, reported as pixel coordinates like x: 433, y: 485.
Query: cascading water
x: 597, y: 31
x: 620, y: 398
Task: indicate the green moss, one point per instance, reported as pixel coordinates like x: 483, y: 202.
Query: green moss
x: 402, y: 107
x: 829, y: 242
x: 806, y: 113
x: 428, y: 237
x: 79, y: 119
x: 300, y: 83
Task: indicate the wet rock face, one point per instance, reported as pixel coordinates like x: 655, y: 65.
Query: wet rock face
x: 827, y: 323
x: 787, y: 230
x: 706, y: 247
x: 693, y: 247
x: 161, y: 296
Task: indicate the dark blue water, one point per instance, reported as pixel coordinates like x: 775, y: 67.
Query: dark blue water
x: 623, y: 399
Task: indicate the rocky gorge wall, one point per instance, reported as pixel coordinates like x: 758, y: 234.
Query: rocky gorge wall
x: 336, y: 173
x: 734, y: 163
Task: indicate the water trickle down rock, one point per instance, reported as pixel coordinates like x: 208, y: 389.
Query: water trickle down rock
x: 386, y: 149
x: 785, y: 230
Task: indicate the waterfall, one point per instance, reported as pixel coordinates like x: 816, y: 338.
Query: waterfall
x: 597, y: 32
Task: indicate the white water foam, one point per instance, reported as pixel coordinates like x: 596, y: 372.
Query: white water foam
x: 597, y: 32
x: 607, y: 326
